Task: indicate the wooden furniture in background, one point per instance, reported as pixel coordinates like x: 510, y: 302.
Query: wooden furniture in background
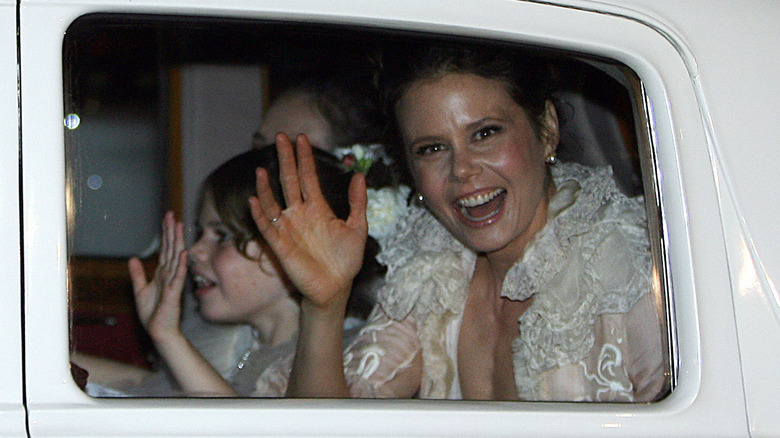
x: 103, y: 318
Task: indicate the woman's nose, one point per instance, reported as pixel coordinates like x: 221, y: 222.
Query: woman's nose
x: 464, y: 165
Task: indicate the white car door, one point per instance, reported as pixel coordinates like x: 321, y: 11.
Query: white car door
x: 703, y: 323
x: 12, y: 421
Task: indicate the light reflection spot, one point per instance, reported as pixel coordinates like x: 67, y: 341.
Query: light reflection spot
x: 72, y: 121
x: 95, y: 182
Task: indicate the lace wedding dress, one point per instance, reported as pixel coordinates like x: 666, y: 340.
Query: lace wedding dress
x: 592, y: 332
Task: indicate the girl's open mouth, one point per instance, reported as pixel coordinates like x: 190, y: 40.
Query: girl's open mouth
x: 202, y: 284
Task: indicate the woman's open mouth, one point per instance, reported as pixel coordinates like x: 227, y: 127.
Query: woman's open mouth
x: 476, y: 209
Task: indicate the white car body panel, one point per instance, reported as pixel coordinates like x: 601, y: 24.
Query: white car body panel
x: 12, y: 417
x: 728, y: 50
x: 713, y: 99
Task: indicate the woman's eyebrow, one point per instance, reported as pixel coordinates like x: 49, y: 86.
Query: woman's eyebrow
x: 478, y: 123
x: 425, y: 139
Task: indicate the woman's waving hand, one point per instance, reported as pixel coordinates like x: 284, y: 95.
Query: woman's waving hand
x: 321, y: 254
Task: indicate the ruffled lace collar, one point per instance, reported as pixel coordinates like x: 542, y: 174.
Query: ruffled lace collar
x: 581, y: 194
x: 426, y: 267
x: 429, y: 269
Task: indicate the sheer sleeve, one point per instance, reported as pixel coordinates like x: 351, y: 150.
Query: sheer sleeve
x: 384, y: 360
x: 628, y: 353
x: 647, y: 366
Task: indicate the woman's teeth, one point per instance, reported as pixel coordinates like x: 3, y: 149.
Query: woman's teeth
x: 473, y: 201
x: 482, y: 206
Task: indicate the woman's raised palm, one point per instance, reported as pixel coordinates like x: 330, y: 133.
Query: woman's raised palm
x: 320, y: 253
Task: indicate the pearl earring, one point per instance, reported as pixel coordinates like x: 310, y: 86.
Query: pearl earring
x: 419, y: 199
x: 551, y: 159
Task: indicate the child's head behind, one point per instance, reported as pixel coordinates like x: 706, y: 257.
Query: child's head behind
x: 237, y: 277
x: 232, y: 184
x: 228, y: 189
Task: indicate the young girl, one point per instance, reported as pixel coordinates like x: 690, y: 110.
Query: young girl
x: 237, y: 279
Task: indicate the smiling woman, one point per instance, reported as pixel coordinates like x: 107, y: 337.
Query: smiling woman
x: 474, y: 127
x: 516, y: 278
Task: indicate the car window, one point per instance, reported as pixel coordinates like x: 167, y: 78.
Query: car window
x: 154, y: 104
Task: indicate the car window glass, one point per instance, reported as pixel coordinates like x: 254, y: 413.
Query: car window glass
x: 153, y: 104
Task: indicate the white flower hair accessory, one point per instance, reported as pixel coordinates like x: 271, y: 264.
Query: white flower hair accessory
x: 385, y: 207
x: 360, y: 158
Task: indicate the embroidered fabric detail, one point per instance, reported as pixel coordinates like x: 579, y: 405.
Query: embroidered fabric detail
x: 371, y: 354
x: 608, y: 375
x: 383, y: 348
